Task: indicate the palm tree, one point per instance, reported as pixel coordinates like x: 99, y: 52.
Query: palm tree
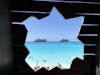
x: 37, y: 62
x: 44, y: 61
x: 59, y: 65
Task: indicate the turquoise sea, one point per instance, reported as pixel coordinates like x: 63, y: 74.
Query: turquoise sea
x: 47, y: 54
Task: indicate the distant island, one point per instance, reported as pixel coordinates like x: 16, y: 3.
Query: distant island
x: 44, y: 40
x: 40, y: 40
x: 64, y: 40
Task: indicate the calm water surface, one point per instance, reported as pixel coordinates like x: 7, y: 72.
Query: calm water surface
x: 50, y: 54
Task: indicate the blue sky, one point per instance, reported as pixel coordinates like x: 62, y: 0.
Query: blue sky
x: 53, y: 27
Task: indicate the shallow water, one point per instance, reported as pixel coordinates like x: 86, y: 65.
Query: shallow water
x: 51, y: 54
